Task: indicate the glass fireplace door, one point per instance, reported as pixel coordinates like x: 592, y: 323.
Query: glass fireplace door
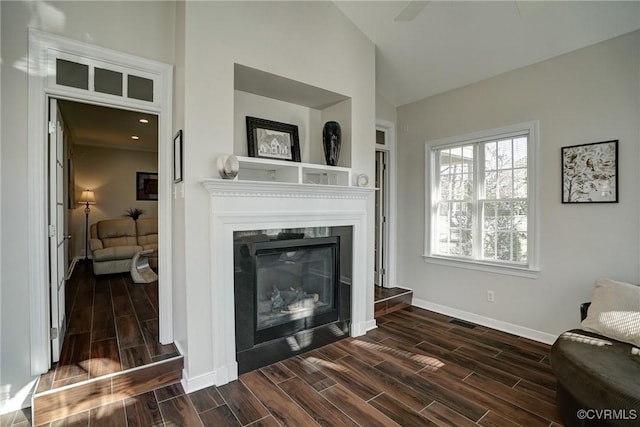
x: 296, y: 286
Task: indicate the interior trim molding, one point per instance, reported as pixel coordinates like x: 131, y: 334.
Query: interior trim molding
x: 21, y: 399
x: 285, y: 190
x: 42, y: 47
x: 370, y: 325
x: 507, y: 327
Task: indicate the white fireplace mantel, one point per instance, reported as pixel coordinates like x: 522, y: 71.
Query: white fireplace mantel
x: 256, y: 205
x: 230, y: 188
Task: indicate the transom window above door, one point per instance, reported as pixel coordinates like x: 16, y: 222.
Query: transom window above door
x: 102, y: 78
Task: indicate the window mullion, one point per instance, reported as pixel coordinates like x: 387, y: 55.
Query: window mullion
x: 478, y: 194
x: 435, y: 200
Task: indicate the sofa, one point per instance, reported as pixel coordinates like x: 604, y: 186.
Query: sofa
x: 114, y: 242
x: 597, y: 367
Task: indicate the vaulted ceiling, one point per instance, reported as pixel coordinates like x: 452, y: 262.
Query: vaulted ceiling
x: 424, y: 48
x: 428, y: 47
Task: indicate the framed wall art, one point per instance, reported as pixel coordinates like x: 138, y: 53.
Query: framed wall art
x: 590, y: 173
x: 177, y: 157
x: 146, y: 186
x: 273, y: 140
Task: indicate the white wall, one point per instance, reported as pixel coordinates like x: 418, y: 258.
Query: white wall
x: 111, y: 174
x: 178, y: 210
x: 385, y: 110
x: 140, y: 28
x: 589, y: 95
x: 310, y: 42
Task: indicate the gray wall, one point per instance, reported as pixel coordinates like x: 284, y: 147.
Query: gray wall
x: 589, y: 95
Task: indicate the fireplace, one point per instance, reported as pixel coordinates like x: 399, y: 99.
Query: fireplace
x: 237, y: 208
x: 291, y: 292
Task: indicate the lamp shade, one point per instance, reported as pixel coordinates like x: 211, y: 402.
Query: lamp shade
x: 87, y: 197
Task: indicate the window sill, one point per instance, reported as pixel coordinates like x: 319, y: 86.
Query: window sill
x: 527, y: 272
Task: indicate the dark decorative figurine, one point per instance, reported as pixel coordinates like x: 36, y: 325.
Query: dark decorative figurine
x: 331, y: 138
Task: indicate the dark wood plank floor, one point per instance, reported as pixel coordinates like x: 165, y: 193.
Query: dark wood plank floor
x: 112, y: 326
x: 417, y: 368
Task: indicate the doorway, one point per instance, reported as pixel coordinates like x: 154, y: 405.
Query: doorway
x: 385, y: 206
x: 381, y: 216
x: 127, y: 82
x: 104, y: 150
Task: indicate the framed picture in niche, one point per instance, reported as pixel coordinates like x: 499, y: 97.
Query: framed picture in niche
x: 273, y: 140
x: 590, y: 173
x: 146, y: 186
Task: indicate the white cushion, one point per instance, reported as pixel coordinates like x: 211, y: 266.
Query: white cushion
x: 615, y: 311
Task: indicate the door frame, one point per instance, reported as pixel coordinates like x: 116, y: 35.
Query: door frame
x: 389, y: 129
x: 43, y: 47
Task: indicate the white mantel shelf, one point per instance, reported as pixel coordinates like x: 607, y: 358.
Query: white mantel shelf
x: 235, y: 188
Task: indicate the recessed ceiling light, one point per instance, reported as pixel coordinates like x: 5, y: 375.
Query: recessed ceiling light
x: 136, y: 137
x: 143, y: 121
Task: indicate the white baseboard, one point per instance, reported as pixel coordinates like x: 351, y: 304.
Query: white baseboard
x: 197, y: 383
x: 370, y: 325
x: 507, y: 327
x: 217, y: 377
x: 21, y: 400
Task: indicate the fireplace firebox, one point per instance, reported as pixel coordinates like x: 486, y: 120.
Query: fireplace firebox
x: 288, y: 296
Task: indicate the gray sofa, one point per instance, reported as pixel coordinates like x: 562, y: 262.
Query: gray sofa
x: 114, y: 242
x: 598, y: 379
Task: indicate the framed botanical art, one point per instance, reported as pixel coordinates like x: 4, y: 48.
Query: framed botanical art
x: 273, y: 140
x: 590, y: 173
x: 146, y: 186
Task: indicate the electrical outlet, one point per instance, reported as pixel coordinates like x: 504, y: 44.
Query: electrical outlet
x: 490, y: 296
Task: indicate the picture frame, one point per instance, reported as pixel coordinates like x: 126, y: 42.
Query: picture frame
x: 590, y: 173
x: 147, y: 186
x: 177, y: 157
x: 273, y: 140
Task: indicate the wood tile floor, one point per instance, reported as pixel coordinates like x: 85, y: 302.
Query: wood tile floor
x: 112, y: 326
x: 418, y: 368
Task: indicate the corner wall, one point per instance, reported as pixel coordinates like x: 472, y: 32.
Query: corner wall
x: 585, y: 96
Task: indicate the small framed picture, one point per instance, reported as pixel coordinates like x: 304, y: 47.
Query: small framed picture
x: 273, y: 140
x: 590, y: 173
x: 177, y: 157
x: 146, y: 186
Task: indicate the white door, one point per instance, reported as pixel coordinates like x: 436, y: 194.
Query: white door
x: 57, y: 238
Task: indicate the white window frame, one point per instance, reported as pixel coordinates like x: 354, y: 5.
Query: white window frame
x: 532, y: 267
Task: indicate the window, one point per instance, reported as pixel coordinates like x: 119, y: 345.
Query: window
x: 482, y: 201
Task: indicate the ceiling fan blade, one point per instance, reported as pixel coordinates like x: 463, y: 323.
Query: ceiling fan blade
x: 411, y: 10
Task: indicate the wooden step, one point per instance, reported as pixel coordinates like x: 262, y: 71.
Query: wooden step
x: 73, y: 399
x: 388, y: 300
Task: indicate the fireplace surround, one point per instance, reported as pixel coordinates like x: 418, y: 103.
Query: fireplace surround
x: 249, y: 205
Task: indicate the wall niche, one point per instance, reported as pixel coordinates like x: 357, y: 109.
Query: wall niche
x: 269, y: 96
